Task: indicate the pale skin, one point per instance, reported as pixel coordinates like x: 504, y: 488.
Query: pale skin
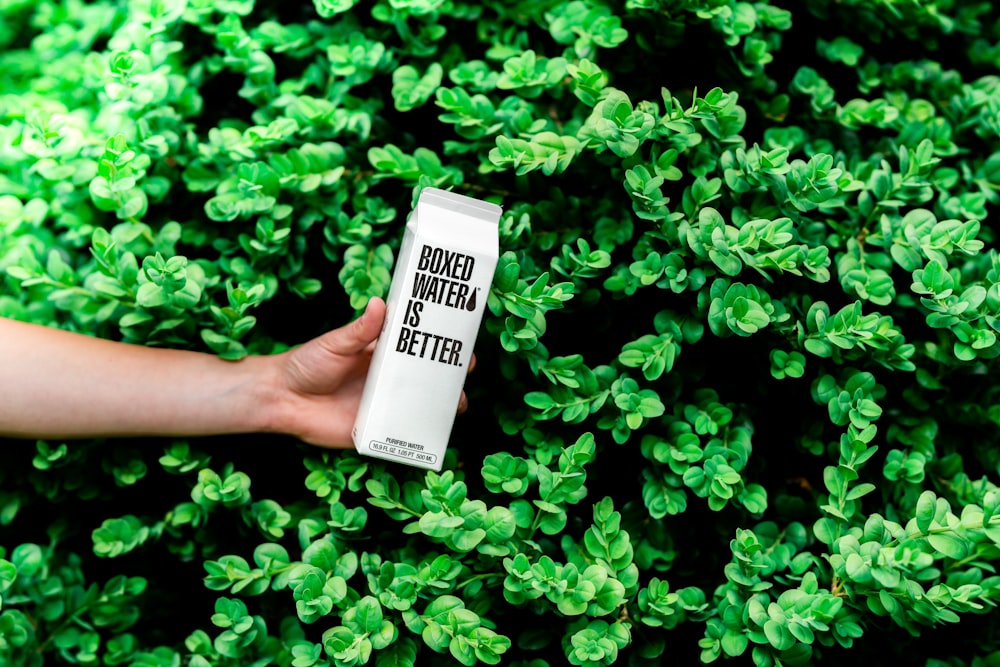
x: 60, y: 385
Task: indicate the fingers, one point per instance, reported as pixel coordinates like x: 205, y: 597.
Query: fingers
x: 463, y: 400
x: 359, y: 334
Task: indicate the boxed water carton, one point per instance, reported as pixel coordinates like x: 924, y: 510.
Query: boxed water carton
x: 435, y: 306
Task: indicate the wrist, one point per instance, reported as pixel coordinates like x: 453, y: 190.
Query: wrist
x: 267, y: 407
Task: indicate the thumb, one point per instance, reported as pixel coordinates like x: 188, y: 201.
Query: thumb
x: 359, y: 334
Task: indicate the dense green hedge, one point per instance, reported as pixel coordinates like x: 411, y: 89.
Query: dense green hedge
x: 735, y: 392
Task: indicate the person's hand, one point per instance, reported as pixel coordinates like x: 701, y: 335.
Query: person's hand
x: 320, y: 382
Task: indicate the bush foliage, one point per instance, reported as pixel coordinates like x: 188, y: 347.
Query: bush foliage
x: 735, y: 391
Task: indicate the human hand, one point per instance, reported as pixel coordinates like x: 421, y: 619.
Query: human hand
x: 319, y: 384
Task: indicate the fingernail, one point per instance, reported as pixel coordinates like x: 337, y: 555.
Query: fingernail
x: 368, y: 309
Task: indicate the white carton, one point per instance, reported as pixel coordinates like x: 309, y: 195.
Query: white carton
x: 435, y: 306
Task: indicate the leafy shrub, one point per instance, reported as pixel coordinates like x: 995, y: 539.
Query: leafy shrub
x: 735, y: 392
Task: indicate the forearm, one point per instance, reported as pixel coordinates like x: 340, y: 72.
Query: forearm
x: 55, y: 384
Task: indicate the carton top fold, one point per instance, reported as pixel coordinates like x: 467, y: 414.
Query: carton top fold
x: 457, y: 203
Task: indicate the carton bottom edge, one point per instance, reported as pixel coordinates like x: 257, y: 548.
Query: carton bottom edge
x: 387, y: 452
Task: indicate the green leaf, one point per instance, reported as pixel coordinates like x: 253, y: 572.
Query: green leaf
x: 439, y: 524
x: 859, y: 491
x: 926, y: 507
x: 410, y: 89
x: 330, y: 8
x: 401, y: 653
x: 321, y: 554
x: 949, y: 546
x: 826, y: 530
x: 500, y: 525
x: 369, y: 614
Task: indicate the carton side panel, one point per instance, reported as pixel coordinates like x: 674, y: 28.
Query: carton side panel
x: 412, y: 418
x: 396, y: 287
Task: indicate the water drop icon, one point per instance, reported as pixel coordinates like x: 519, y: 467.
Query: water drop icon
x: 471, y: 303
